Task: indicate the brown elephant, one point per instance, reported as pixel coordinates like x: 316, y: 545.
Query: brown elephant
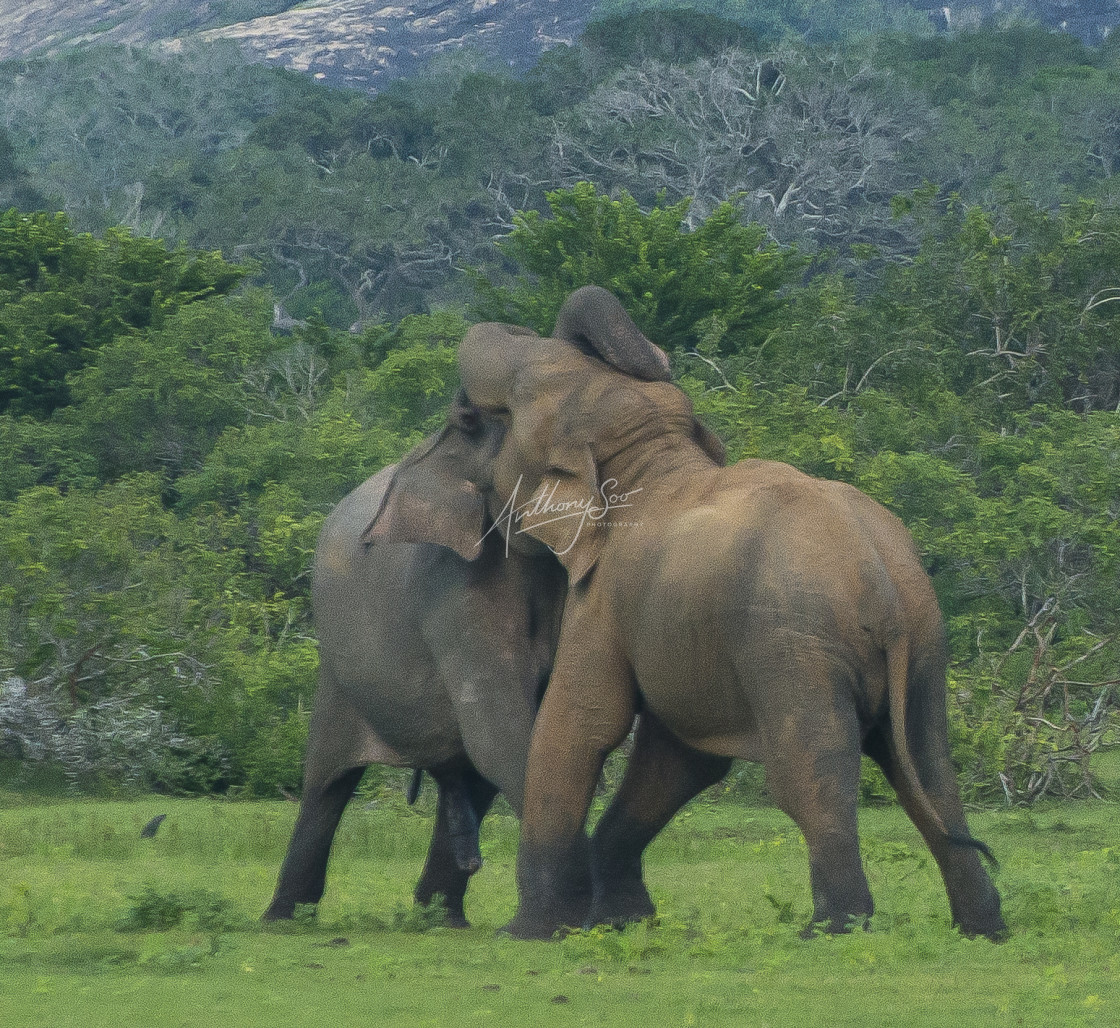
x: 748, y: 611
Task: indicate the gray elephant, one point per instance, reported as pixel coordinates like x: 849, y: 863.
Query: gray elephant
x: 749, y: 611
x: 429, y: 658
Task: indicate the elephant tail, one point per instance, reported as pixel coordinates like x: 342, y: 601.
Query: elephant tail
x: 898, y: 672
x: 898, y: 687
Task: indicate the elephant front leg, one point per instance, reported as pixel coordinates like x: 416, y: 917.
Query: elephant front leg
x: 303, y: 874
x: 587, y: 710
x: 662, y: 776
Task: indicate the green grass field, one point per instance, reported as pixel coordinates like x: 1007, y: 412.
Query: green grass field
x: 82, y: 898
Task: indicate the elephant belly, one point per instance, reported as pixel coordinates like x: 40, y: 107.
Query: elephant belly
x: 727, y: 689
x: 373, y: 652
x: 413, y: 719
x: 688, y: 681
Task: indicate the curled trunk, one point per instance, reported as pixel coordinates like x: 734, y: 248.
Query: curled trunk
x: 595, y: 320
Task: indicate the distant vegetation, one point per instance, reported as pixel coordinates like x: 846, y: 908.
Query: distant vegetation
x: 366, y: 207
x: 892, y: 263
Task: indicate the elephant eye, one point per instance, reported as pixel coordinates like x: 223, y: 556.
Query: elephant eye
x: 468, y: 420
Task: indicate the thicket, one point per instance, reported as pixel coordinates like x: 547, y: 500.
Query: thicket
x: 171, y: 436
x: 366, y: 208
x: 159, y: 512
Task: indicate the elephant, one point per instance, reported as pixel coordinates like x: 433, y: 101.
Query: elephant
x: 427, y: 660
x: 749, y: 611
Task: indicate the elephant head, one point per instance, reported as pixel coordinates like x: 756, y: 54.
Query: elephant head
x: 531, y: 443
x: 436, y: 494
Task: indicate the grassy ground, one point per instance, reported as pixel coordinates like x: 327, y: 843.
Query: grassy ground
x: 82, y: 898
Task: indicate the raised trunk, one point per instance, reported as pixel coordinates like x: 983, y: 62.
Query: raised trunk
x: 593, y: 318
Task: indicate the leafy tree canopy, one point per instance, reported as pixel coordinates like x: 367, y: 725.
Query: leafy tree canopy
x: 63, y: 295
x: 718, y: 285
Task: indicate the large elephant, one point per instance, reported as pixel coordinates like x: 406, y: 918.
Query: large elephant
x: 749, y: 611
x: 435, y: 657
x: 429, y: 658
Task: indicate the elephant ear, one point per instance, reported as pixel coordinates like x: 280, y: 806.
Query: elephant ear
x: 563, y: 512
x: 429, y: 501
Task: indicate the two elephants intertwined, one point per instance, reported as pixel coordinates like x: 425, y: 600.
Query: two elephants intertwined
x: 570, y: 552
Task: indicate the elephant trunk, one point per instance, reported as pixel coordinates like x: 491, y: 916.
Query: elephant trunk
x: 594, y: 318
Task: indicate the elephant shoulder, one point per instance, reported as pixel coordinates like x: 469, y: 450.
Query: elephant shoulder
x: 766, y: 485
x: 755, y: 471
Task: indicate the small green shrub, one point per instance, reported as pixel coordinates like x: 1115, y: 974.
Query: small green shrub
x: 154, y: 910
x: 274, y: 760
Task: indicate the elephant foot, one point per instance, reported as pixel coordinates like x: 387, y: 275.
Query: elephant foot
x: 975, y: 906
x: 621, y: 907
x: 534, y: 929
x: 547, y: 922
x: 836, y: 926
x: 452, y: 906
x: 815, y: 928
x: 285, y: 910
x: 555, y: 890
x: 452, y: 920
x: 995, y: 931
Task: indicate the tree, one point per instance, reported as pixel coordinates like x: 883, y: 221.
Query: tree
x: 719, y: 282
x: 807, y: 145
x: 65, y: 295
x: 157, y: 528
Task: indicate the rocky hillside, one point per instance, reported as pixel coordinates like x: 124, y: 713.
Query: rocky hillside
x: 36, y: 27
x: 357, y: 43
x: 365, y: 43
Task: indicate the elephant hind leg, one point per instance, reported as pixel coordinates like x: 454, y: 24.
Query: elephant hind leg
x: 303, y: 874
x: 453, y: 854
x: 973, y: 900
x: 812, y: 770
x: 662, y: 776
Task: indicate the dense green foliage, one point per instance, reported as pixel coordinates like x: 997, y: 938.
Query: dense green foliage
x: 157, y: 529
x: 98, y: 926
x: 810, y: 130
x: 177, y: 416
x: 64, y: 295
x: 675, y: 285
x: 160, y: 506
